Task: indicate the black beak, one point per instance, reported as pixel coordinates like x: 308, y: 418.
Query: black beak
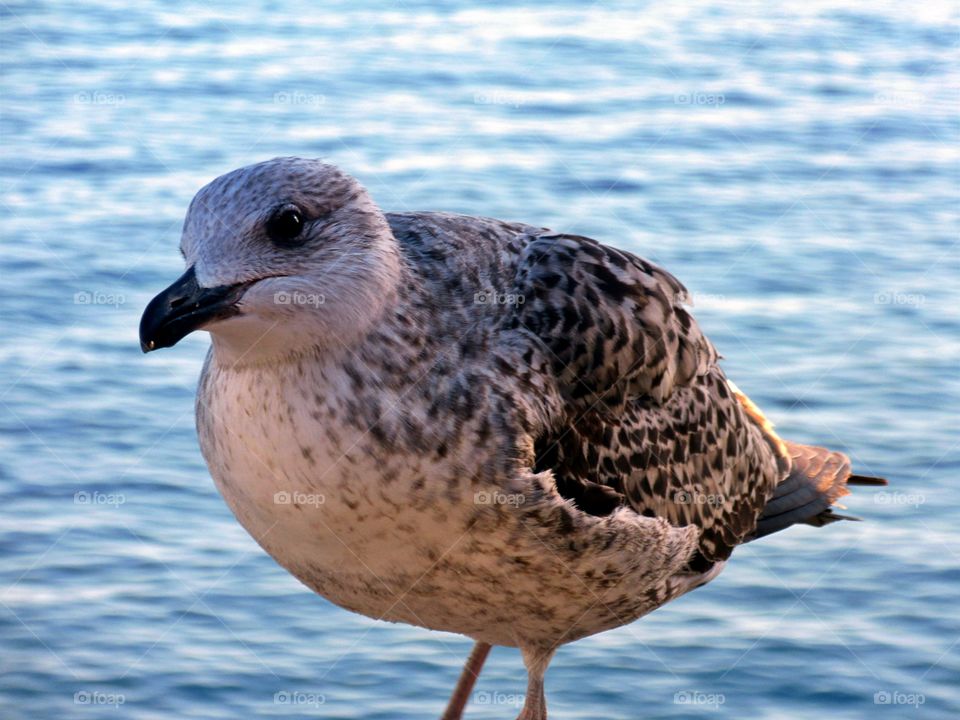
x: 182, y: 308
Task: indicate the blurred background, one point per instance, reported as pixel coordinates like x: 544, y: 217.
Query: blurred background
x: 795, y: 164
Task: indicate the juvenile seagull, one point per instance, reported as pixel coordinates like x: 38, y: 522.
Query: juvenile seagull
x: 466, y: 424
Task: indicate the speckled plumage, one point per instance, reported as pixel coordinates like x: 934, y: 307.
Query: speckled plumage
x: 483, y: 427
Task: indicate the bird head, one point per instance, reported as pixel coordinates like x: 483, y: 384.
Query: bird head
x: 282, y: 256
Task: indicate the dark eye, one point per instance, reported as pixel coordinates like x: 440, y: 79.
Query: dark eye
x: 285, y: 224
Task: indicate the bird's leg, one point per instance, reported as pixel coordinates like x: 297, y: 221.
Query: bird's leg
x: 469, y: 675
x: 535, y: 704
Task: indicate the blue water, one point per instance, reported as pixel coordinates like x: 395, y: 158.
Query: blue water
x: 797, y: 168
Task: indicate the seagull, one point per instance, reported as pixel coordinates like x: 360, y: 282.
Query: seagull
x: 465, y: 424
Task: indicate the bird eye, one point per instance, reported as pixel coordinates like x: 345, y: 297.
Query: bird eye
x: 285, y: 224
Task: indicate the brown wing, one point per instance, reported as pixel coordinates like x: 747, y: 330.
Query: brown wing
x: 696, y: 458
x: 650, y: 419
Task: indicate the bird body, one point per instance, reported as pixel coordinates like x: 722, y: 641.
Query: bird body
x: 391, y: 476
x: 466, y: 424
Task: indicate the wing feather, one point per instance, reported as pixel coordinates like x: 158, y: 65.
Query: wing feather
x: 613, y: 323
x: 650, y: 420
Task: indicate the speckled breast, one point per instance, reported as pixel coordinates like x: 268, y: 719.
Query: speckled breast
x: 358, y: 527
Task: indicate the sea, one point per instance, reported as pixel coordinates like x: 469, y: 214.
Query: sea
x: 795, y: 164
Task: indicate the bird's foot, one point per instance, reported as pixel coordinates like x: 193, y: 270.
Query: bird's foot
x: 533, y: 711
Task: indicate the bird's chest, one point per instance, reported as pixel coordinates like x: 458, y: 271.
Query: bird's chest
x: 315, y: 485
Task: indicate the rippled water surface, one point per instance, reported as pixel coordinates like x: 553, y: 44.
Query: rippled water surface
x: 795, y: 165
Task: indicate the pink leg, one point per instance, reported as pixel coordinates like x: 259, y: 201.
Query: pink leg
x: 535, y: 703
x: 471, y: 671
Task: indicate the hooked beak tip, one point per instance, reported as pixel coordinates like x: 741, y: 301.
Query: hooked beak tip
x: 184, y: 307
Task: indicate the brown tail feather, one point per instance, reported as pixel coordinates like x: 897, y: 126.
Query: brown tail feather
x: 817, y: 479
